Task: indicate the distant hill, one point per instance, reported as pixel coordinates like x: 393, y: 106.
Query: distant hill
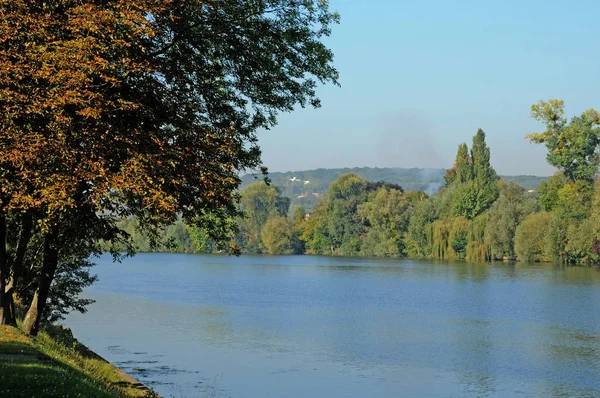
x: 306, y: 187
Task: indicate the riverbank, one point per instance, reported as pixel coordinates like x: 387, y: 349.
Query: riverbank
x: 55, y: 364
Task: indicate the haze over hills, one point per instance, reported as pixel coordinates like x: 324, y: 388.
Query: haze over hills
x: 306, y: 187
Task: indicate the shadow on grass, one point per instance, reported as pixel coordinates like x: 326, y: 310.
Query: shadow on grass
x: 55, y: 364
x: 14, y: 348
x: 46, y: 379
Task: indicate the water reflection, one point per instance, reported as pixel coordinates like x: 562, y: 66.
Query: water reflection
x: 347, y: 327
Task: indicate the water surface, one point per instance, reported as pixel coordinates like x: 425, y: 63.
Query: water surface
x: 303, y: 326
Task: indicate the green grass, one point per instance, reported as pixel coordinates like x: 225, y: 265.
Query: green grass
x: 55, y: 364
x: 38, y: 379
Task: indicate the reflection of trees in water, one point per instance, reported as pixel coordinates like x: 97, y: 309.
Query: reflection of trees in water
x: 570, y: 343
x: 472, y: 336
x: 471, y: 272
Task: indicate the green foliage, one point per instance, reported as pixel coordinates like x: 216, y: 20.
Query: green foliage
x: 280, y: 236
x: 475, y: 216
x: 478, y: 250
x: 146, y: 110
x: 574, y: 200
x: 474, y: 179
x: 572, y: 146
x: 532, y: 236
x: 418, y: 242
x: 448, y: 238
x: 595, y: 210
x: 512, y: 206
x: 547, y: 193
x: 386, y: 216
x: 465, y: 200
x: 309, y: 186
x: 299, y: 216
x: 343, y: 222
x: 178, y: 237
x: 463, y: 165
x: 578, y: 248
x: 258, y: 203
x: 200, y: 240
x: 315, y: 233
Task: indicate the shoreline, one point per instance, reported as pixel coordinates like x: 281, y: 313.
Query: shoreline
x: 56, y: 361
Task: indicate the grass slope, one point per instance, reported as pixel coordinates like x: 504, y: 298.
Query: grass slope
x: 54, y: 364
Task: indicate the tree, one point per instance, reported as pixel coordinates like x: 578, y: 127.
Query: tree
x: 465, y: 203
x: 200, y: 240
x: 344, y: 225
x: 315, y: 232
x: 474, y: 179
x: 572, y: 146
x: 485, y: 176
x: 464, y: 164
x: 505, y: 215
x: 178, y: 238
x: 62, y: 252
x: 387, y: 216
x: 299, y: 216
x: 547, y: 193
x: 531, y: 237
x: 279, y: 236
x: 423, y: 214
x: 259, y: 202
x: 145, y: 108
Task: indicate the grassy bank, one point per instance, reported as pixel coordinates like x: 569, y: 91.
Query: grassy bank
x: 54, y: 364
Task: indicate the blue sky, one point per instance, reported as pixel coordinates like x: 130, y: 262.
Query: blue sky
x: 419, y: 77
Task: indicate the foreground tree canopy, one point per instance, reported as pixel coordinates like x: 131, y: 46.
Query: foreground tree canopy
x: 144, y: 108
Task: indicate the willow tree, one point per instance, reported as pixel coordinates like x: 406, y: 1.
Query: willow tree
x: 143, y: 107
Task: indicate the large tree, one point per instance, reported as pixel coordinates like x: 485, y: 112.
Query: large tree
x: 572, y: 146
x: 143, y: 107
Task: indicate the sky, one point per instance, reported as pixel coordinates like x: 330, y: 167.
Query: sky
x: 420, y: 77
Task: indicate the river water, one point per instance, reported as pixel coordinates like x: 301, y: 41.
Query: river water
x: 304, y: 326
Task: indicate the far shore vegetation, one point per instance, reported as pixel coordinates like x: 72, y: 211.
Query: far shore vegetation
x: 475, y: 215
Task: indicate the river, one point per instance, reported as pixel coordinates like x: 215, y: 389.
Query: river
x: 304, y: 326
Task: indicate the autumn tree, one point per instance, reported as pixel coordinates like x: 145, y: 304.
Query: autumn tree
x: 144, y: 108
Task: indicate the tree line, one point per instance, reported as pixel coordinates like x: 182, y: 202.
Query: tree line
x: 306, y: 187
x: 476, y: 216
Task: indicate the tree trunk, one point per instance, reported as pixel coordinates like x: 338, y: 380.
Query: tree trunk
x: 31, y: 323
x: 18, y: 263
x: 6, y: 314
